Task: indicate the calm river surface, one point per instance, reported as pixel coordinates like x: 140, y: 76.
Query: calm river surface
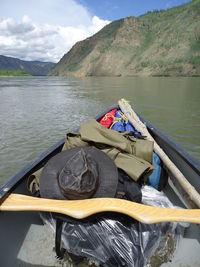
x: 36, y: 112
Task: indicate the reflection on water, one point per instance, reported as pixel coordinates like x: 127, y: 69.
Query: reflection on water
x: 36, y: 112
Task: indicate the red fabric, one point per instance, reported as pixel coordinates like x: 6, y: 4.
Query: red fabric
x: 108, y: 118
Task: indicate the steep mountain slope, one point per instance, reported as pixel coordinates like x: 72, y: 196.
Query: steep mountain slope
x: 31, y: 67
x: 157, y: 43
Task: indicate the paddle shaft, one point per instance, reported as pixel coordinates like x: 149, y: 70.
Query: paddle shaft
x: 80, y: 209
x: 188, y: 189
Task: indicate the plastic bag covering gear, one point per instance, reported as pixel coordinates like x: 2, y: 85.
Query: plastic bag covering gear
x: 120, y: 241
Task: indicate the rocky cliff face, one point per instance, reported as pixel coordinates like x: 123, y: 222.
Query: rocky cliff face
x: 157, y: 43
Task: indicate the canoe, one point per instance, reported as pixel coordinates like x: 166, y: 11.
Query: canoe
x: 25, y: 241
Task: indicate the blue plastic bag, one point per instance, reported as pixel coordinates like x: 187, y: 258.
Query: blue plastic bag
x: 154, y: 178
x: 123, y: 125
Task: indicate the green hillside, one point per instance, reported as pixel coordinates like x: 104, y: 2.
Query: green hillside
x: 13, y: 73
x: 159, y: 43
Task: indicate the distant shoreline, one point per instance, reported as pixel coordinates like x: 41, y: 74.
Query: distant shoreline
x: 13, y: 73
x: 93, y: 76
x: 12, y: 76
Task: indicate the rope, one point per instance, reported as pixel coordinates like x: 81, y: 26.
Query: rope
x: 120, y: 119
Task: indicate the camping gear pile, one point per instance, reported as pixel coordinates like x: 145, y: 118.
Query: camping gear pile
x: 109, y: 158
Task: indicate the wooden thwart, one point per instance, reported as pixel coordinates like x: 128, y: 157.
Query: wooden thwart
x: 189, y: 190
x: 81, y: 209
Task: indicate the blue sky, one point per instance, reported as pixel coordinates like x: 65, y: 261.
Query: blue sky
x: 47, y: 29
x: 115, y: 9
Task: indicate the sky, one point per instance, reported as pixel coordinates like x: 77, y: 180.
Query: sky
x: 47, y: 29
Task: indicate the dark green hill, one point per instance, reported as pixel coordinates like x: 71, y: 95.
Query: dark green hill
x: 157, y: 43
x: 36, y: 68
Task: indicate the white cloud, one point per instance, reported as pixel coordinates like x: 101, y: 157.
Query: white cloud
x: 9, y: 26
x: 47, y: 41
x: 53, y: 12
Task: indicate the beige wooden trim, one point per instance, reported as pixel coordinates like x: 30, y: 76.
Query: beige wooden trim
x: 80, y: 209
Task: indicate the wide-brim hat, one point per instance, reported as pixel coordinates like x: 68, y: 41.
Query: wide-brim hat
x: 79, y: 173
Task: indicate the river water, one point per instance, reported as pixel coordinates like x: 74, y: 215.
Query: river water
x: 36, y: 112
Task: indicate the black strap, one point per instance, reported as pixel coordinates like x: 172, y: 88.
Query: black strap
x: 59, y: 251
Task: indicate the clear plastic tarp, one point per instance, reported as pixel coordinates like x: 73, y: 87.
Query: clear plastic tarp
x: 120, y: 241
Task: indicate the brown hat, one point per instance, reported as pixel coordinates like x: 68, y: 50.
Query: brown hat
x: 79, y: 173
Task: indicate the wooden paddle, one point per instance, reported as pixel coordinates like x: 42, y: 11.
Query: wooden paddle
x: 190, y: 194
x: 80, y: 209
